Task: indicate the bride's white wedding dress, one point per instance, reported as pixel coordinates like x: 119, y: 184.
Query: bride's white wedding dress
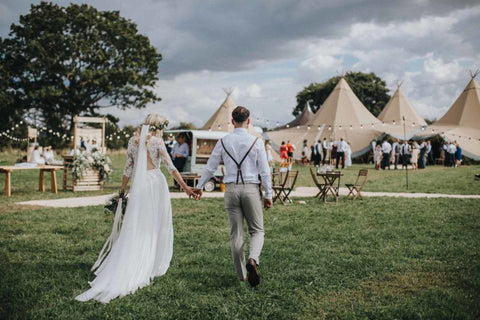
x: 141, y: 248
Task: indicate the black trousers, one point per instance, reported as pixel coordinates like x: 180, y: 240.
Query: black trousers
x: 340, y: 155
x: 179, y: 163
x: 386, y: 161
x: 324, y: 155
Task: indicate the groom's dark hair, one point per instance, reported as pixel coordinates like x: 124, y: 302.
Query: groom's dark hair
x: 240, y: 114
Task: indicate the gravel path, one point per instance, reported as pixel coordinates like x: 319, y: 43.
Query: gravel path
x: 301, y: 192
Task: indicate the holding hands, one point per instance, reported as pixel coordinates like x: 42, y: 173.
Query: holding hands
x: 194, y: 193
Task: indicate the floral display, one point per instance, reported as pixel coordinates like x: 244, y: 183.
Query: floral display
x: 95, y: 160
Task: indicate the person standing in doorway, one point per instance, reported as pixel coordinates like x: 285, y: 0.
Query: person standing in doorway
x: 386, y: 150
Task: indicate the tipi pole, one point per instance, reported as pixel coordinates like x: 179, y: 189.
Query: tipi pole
x: 405, y: 136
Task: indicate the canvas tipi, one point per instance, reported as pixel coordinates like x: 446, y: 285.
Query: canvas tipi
x: 461, y: 123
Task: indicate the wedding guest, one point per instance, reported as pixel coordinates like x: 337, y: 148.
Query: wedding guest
x: 283, y: 152
x: 423, y: 151
x: 348, y: 155
x: 305, y: 152
x: 451, y: 149
x: 341, y: 149
x: 268, y: 149
x: 324, y: 150
x: 386, y: 150
x: 317, y: 156
x: 414, y: 155
x: 429, y: 153
x: 446, y: 162
x: 396, y: 153
x: 36, y: 156
x: 333, y: 153
x: 405, y: 153
x: 377, y: 156
x: 180, y: 152
x: 289, y: 150
x: 74, y: 152
x: 94, y: 146
x: 458, y: 155
x: 169, y: 144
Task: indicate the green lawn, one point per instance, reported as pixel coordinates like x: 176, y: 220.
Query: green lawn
x: 434, y: 179
x: 381, y: 258
x: 376, y: 259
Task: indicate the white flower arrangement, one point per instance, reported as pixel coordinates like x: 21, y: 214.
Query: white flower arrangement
x: 95, y: 160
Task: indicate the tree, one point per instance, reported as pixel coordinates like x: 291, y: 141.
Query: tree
x: 184, y: 126
x: 67, y: 61
x: 369, y: 88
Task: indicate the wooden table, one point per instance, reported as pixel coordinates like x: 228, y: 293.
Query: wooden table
x: 41, y: 179
x: 188, y: 176
x: 330, y: 177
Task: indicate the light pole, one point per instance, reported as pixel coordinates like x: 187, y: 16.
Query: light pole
x: 406, y: 163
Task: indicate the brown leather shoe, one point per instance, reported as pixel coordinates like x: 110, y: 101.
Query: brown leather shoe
x: 252, y: 276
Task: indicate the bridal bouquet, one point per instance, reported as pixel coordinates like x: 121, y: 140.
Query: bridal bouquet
x: 112, y: 203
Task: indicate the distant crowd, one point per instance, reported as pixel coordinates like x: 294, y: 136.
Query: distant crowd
x: 416, y: 154
x: 333, y: 153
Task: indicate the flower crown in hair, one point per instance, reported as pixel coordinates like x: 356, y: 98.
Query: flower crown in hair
x: 159, y: 126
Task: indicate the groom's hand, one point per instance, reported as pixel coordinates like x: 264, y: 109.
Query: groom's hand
x: 267, y: 203
x: 198, y: 193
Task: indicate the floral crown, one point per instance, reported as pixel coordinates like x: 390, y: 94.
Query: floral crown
x: 159, y: 126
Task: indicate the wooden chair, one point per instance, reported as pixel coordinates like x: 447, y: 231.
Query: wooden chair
x: 320, y: 186
x: 284, y: 185
x: 356, y: 189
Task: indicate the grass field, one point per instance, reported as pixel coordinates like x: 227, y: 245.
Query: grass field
x: 381, y: 258
x: 434, y: 179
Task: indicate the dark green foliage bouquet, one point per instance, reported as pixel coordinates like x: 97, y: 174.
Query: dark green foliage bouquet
x: 112, y: 203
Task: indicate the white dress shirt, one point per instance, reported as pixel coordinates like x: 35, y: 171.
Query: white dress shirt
x: 451, y: 148
x: 182, y: 149
x: 255, y: 164
x: 341, y: 146
x: 386, y: 147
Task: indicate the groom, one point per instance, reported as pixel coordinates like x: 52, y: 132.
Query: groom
x: 246, y: 167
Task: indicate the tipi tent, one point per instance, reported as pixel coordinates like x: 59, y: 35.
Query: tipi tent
x: 397, y: 109
x: 221, y: 120
x: 461, y: 123
x: 342, y: 115
x: 301, y: 119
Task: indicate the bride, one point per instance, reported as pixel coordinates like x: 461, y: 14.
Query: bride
x: 139, y: 248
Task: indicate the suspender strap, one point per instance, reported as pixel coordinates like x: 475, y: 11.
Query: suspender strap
x: 239, y: 165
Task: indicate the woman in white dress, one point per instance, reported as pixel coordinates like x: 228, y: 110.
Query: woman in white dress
x: 139, y: 248
x: 348, y: 155
x: 415, y: 153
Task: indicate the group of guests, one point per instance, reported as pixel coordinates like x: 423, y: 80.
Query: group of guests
x: 337, y: 152
x: 86, y: 146
x: 416, y: 154
x: 45, y: 156
x: 326, y: 152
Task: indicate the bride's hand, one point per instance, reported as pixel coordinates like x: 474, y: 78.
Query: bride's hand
x: 191, y: 194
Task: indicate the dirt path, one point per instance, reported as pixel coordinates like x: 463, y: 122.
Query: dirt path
x: 300, y: 192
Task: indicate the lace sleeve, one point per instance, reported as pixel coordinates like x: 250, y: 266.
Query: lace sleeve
x: 162, y: 150
x: 130, y: 159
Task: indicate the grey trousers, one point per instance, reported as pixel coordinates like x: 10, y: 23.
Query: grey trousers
x: 243, y: 201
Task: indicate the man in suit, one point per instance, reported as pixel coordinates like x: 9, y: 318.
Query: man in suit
x: 246, y: 167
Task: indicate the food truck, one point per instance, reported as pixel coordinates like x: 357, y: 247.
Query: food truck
x: 201, y: 144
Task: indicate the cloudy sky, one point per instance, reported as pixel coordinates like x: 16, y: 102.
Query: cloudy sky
x: 267, y: 51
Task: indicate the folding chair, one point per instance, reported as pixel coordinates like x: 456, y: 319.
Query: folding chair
x: 320, y: 186
x: 356, y: 189
x: 286, y: 183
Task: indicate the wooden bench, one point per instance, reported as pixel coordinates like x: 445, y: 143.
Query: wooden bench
x: 41, y: 179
